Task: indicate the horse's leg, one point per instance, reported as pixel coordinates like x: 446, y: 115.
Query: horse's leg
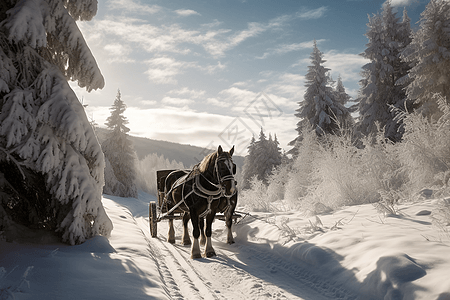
x: 186, y: 238
x: 201, y: 223
x: 171, y: 234
x: 229, y: 223
x: 229, y: 218
x: 209, y: 250
x: 195, y: 250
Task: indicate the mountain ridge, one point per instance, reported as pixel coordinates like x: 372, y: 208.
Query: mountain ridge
x: 189, y: 155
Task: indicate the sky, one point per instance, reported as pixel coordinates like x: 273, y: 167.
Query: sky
x: 216, y: 72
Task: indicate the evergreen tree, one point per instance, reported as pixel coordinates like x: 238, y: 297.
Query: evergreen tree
x: 381, y: 90
x: 51, y: 165
x: 341, y: 95
x: 264, y: 154
x: 248, y: 170
x: 429, y: 57
x: 319, y: 108
x: 119, y: 154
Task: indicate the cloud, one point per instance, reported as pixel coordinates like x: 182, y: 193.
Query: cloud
x: 308, y: 14
x: 186, y: 12
x: 149, y: 102
x: 218, y: 102
x: 144, y: 36
x: 118, y: 53
x: 397, y: 3
x: 286, y: 48
x: 132, y: 6
x: 188, y: 127
x: 210, y: 69
x: 238, y: 94
x: 348, y: 65
x: 176, y: 101
x: 188, y: 92
x: 163, y: 69
x: 218, y: 48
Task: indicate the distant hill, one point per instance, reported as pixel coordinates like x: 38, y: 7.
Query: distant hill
x: 187, y: 154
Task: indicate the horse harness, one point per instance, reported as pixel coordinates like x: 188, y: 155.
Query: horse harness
x: 201, y: 191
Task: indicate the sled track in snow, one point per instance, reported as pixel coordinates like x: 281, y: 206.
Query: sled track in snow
x: 190, y: 282
x: 292, y: 276
x: 177, y: 272
x: 264, y: 275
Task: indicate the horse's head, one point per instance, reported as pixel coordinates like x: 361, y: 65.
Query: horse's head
x: 225, y: 170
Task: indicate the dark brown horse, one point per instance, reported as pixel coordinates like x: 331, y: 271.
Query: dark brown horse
x: 209, y: 188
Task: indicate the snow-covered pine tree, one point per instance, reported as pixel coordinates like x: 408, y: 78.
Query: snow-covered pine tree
x: 319, y: 108
x: 248, y: 170
x: 119, y: 154
x: 341, y: 95
x: 429, y: 57
x: 51, y: 164
x: 264, y: 154
x: 381, y: 89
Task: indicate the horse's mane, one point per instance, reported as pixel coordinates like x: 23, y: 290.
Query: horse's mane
x: 204, y: 165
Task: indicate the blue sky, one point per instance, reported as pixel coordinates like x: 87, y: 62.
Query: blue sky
x: 212, y: 72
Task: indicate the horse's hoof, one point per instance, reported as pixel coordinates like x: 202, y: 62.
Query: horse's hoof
x: 196, y: 256
x: 230, y: 242
x: 171, y: 241
x: 187, y: 242
x: 210, y: 254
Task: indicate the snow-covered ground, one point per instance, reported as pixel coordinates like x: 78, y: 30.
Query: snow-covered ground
x: 354, y: 253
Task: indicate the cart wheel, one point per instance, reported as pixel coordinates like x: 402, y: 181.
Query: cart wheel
x: 153, y: 219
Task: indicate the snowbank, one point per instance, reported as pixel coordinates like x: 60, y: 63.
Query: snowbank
x: 374, y: 256
x: 353, y: 253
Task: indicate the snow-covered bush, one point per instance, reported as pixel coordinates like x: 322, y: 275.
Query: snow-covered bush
x: 425, y: 149
x: 301, y: 180
x: 255, y: 198
x: 146, y: 171
x: 334, y: 171
x: 51, y: 164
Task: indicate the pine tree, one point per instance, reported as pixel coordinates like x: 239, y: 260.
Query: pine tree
x: 341, y: 95
x: 51, y: 165
x: 248, y: 170
x: 319, y: 108
x: 381, y: 90
x: 429, y: 57
x: 264, y: 154
x: 119, y: 153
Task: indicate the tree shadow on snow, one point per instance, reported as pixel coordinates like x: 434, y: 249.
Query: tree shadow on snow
x: 86, y: 271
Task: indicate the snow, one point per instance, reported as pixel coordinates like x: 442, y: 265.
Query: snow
x: 353, y: 253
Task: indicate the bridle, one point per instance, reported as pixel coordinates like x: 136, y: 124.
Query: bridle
x: 219, y: 191
x: 229, y: 164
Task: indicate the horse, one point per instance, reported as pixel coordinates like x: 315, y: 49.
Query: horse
x: 208, y: 188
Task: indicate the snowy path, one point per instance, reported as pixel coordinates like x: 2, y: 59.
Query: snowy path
x: 353, y: 253
x: 243, y: 270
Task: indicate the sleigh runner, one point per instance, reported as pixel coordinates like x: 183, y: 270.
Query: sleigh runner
x: 206, y: 192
